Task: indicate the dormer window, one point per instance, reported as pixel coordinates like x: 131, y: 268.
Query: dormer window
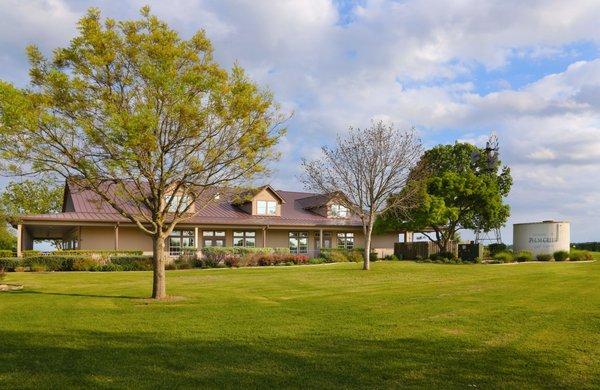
x: 339, y: 211
x: 266, y: 207
x: 178, y: 201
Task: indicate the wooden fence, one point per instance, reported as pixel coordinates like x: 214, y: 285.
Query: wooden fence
x: 420, y: 249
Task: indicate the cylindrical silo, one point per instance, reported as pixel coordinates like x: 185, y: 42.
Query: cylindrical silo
x: 544, y: 237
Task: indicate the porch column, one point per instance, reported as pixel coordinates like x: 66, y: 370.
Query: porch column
x: 117, y: 237
x: 320, y: 241
x: 19, y: 240
x: 265, y: 237
x: 408, y: 236
x: 196, y: 241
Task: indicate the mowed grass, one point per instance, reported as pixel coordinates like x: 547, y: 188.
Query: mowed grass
x: 402, y: 324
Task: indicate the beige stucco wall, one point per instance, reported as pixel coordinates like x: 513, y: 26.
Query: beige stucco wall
x: 130, y: 238
x: 103, y: 238
x: 96, y: 237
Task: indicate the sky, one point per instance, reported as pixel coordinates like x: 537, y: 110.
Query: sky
x: 530, y: 71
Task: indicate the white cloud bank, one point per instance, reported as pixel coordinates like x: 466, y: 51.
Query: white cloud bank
x: 416, y: 63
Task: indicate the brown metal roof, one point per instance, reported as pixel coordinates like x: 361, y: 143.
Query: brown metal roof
x: 87, y: 206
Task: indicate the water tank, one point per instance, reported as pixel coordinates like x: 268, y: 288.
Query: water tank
x: 544, y: 237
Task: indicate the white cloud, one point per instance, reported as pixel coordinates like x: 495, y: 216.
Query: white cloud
x: 413, y: 63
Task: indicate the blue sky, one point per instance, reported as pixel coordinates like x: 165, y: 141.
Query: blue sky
x: 454, y: 70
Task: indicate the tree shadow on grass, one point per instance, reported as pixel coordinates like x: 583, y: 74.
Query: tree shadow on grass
x: 104, y: 359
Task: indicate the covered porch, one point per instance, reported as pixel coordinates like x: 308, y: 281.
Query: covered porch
x: 306, y: 240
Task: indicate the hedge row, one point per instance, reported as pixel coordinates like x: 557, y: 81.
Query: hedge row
x: 6, y: 253
x: 77, y: 263
x: 83, y: 252
x: 240, y: 250
x: 523, y: 256
x: 589, y: 246
x: 335, y: 255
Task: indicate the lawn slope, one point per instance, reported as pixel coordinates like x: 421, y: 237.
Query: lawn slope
x: 328, y: 326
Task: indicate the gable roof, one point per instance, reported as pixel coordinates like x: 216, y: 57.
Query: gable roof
x: 319, y: 200
x: 87, y: 206
x: 247, y: 195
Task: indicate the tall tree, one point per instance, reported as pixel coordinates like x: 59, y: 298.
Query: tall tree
x: 8, y: 241
x: 41, y: 196
x: 145, y: 119
x: 461, y: 190
x: 31, y: 197
x: 367, y: 166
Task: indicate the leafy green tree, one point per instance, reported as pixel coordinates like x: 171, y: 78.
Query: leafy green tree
x: 457, y: 192
x: 40, y: 196
x: 130, y: 108
x: 8, y: 241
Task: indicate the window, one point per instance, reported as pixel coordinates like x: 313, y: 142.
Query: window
x: 180, y: 241
x: 266, y: 207
x: 298, y: 242
x: 213, y: 238
x: 339, y: 211
x: 345, y: 240
x: 247, y: 239
x: 177, y: 201
x: 326, y: 240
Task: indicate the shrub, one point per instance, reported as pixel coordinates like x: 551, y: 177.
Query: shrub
x: 236, y: 256
x: 269, y: 259
x: 589, y: 246
x: 316, y: 260
x: 31, y: 253
x: 108, y: 267
x: 132, y: 263
x: 232, y: 261
x: 51, y: 263
x: 442, y: 256
x: 496, y: 248
x: 523, y: 256
x: 35, y: 267
x: 504, y: 257
x: 391, y: 258
x: 579, y: 255
x: 374, y: 256
x: 334, y: 255
x: 9, y: 263
x: 102, y: 253
x: 6, y: 253
x: 561, y: 255
x: 544, y: 257
x: 84, y: 264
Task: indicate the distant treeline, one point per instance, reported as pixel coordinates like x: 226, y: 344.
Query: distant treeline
x: 588, y: 246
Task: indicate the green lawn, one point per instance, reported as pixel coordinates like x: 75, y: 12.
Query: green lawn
x: 401, y: 324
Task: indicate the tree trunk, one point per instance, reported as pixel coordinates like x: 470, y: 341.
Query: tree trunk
x: 441, y: 241
x: 367, y: 255
x: 159, y: 286
x: 369, y: 231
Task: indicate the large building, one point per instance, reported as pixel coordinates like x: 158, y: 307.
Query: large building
x: 303, y: 222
